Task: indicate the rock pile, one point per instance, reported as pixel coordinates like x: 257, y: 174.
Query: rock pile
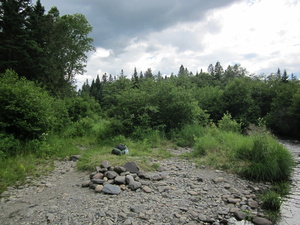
x: 111, y: 180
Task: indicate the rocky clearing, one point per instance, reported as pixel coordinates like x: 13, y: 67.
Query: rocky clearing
x: 185, y: 195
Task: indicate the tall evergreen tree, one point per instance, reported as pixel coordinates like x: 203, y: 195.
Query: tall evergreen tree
x: 14, y: 35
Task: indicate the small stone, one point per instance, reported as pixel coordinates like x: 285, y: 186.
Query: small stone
x: 233, y: 200
x: 147, y: 189
x: 156, y: 177
x: 111, y: 174
x: 98, y: 181
x: 120, y: 180
x: 253, y: 204
x: 50, y: 217
x: 129, y: 179
x: 134, y: 185
x: 105, y: 164
x: 120, y: 169
x: 218, y: 179
x: 98, y: 176
x: 227, y: 186
x: 128, y: 221
x: 233, y: 209
x: 98, y: 188
x: 136, y: 209
x: 199, y: 179
x: 144, y: 175
x: 261, y: 221
x: 192, y: 192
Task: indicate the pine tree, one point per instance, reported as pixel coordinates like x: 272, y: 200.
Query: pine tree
x: 14, y: 35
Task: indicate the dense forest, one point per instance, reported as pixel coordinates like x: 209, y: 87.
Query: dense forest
x: 43, y: 116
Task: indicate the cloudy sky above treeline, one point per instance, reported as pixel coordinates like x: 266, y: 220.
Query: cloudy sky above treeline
x: 261, y: 35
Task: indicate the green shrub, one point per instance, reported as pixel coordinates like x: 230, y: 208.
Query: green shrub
x: 9, y: 145
x: 26, y: 111
x: 229, y: 124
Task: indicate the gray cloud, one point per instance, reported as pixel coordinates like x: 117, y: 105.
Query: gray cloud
x: 116, y: 22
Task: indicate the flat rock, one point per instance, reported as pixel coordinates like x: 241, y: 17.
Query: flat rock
x: 261, y: 221
x: 111, y: 189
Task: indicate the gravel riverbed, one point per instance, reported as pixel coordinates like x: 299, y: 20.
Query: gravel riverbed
x: 185, y: 195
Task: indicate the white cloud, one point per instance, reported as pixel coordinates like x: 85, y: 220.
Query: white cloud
x: 261, y: 35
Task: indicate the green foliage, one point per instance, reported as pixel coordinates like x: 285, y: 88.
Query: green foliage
x: 229, y: 124
x: 237, y: 100
x: 186, y: 136
x: 26, y: 111
x: 47, y: 49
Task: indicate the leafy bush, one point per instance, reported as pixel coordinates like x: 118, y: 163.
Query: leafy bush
x: 9, y: 145
x: 26, y: 111
x: 229, y: 124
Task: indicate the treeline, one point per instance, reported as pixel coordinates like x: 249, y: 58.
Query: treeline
x: 48, y: 49
x: 40, y: 54
x: 152, y: 101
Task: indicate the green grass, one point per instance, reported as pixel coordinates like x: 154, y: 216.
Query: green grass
x: 36, y: 159
x: 141, y: 152
x: 14, y: 170
x: 258, y: 157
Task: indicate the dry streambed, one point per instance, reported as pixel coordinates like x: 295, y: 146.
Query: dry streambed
x: 179, y: 193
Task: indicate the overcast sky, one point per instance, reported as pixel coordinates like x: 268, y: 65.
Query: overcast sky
x: 261, y: 35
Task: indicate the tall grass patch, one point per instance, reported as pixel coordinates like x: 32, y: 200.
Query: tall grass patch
x: 259, y: 157
x: 267, y: 160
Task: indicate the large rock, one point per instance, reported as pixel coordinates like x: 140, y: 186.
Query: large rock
x: 239, y: 215
x: 111, y: 189
x: 261, y: 221
x: 131, y: 167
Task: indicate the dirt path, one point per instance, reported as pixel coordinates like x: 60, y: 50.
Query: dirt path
x: 187, y: 195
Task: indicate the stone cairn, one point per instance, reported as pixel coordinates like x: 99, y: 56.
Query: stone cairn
x: 109, y: 179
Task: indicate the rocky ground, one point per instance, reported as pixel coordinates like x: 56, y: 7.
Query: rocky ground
x: 185, y: 195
